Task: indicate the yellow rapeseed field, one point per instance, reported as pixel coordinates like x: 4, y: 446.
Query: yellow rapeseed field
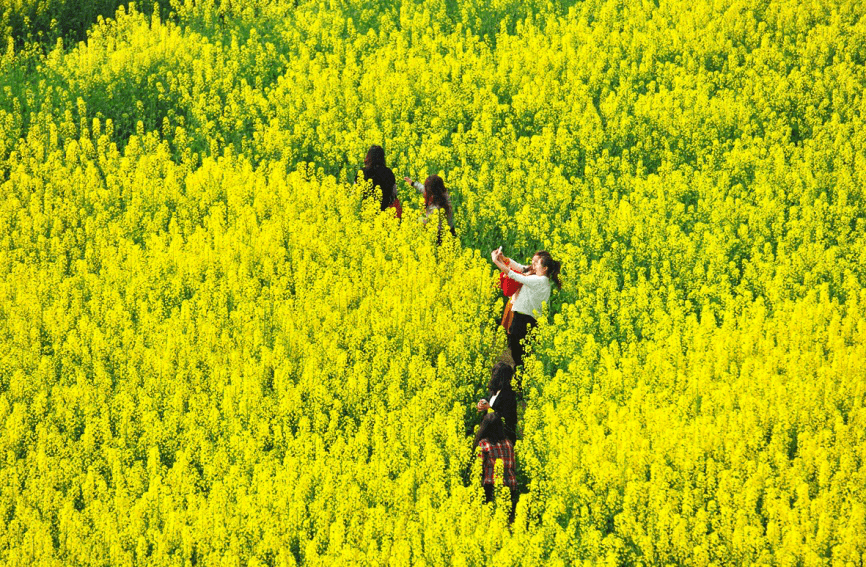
x: 214, y: 351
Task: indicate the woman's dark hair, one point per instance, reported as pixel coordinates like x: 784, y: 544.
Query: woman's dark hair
x: 375, y: 157
x: 552, y: 266
x: 435, y: 193
x: 491, y: 428
x: 500, y: 377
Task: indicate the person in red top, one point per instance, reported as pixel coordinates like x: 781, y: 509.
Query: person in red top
x: 492, y: 444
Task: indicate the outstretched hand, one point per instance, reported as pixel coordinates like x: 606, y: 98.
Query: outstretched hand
x: 408, y: 180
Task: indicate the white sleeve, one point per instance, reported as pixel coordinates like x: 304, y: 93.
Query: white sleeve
x: 418, y: 187
x: 531, y: 279
x: 514, y: 265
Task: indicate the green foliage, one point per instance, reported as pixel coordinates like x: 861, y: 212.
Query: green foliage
x: 47, y: 20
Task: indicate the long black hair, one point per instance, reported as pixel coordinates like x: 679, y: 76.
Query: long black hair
x: 375, y: 158
x: 435, y: 193
x: 500, y: 377
x: 552, y: 266
x: 491, y: 428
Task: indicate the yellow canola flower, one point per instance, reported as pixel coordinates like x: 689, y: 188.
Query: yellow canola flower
x: 213, y: 353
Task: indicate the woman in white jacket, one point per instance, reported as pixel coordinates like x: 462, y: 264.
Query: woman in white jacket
x: 535, y: 290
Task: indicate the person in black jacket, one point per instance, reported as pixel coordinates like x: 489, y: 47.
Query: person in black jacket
x: 502, y: 398
x: 383, y: 178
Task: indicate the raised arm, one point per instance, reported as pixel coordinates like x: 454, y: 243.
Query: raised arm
x: 419, y: 187
x: 530, y: 279
x: 499, y: 260
x: 505, y: 264
x: 515, y: 266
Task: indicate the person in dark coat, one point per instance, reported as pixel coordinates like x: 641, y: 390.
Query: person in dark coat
x: 384, y: 182
x: 502, y: 399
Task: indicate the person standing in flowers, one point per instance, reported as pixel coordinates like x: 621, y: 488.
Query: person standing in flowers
x: 383, y: 178
x: 534, y: 291
x: 502, y: 399
x: 436, y: 198
x: 492, y: 444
